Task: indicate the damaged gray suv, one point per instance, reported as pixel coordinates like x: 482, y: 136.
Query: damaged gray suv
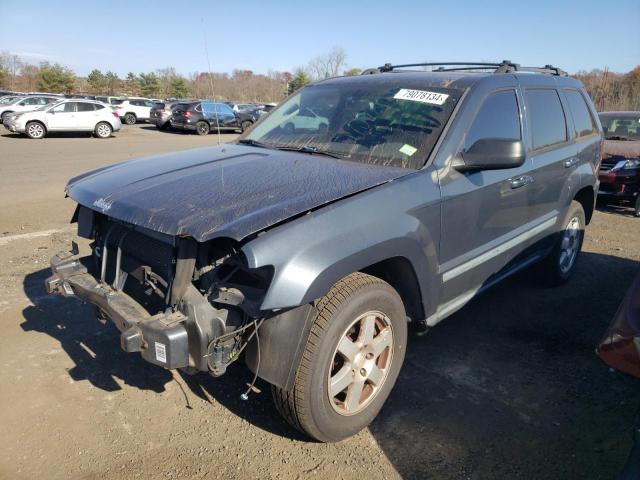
x: 358, y: 206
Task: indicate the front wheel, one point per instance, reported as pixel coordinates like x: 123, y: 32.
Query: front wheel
x: 246, y: 125
x: 637, y: 209
x: 103, y: 130
x: 351, y: 360
x: 35, y: 130
x: 561, y: 262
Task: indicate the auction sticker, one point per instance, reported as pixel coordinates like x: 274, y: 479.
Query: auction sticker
x: 433, y: 98
x: 161, y: 352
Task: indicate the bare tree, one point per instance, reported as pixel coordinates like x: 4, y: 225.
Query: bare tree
x: 328, y: 65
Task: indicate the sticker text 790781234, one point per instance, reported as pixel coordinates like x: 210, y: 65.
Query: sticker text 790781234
x: 434, y: 98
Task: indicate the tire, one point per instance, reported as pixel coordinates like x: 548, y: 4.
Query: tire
x: 35, y: 130
x: 162, y: 127
x: 4, y: 116
x: 103, y: 130
x: 329, y: 416
x: 130, y: 118
x: 246, y: 125
x: 560, y: 264
x: 202, y: 128
x: 637, y: 208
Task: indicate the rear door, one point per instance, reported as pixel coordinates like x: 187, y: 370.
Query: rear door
x: 86, y: 116
x: 485, y: 214
x: 62, y: 117
x: 551, y: 151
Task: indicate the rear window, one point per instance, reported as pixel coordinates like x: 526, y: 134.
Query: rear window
x: 85, y: 107
x: 116, y: 101
x: 583, y: 123
x: 546, y: 117
x: 498, y: 117
x: 621, y: 126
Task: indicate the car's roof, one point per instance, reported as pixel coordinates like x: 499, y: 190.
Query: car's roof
x: 622, y: 113
x: 460, y: 80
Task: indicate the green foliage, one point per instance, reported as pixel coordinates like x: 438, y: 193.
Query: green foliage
x: 132, y: 84
x: 112, y: 82
x: 179, y: 87
x: 56, y: 78
x: 299, y: 80
x: 149, y: 84
x: 96, y: 81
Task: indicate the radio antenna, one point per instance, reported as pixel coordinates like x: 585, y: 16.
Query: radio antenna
x: 213, y: 96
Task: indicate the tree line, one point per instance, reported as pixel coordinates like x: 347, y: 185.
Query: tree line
x: 609, y: 90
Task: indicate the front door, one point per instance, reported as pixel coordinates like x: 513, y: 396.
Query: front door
x: 62, y: 117
x: 485, y: 214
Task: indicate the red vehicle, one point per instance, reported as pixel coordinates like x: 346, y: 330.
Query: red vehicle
x: 620, y: 168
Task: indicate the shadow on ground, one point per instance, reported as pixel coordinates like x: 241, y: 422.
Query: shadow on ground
x: 509, y: 387
x: 625, y: 208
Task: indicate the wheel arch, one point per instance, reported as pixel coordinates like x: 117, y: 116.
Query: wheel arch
x: 586, y: 197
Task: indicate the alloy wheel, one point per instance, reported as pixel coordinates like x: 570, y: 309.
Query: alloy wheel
x: 35, y: 130
x: 570, y: 245
x: 360, y: 363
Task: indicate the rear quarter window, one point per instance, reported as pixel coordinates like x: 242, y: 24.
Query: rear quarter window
x: 546, y: 118
x: 582, y: 120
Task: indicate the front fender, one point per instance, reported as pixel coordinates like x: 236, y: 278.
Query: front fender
x: 311, y: 253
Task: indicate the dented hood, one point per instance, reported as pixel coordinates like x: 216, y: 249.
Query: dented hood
x: 224, y: 191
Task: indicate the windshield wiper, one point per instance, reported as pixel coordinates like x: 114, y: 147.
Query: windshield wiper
x: 255, y: 143
x: 311, y: 151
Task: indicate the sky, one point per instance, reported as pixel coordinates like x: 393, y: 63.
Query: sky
x: 144, y: 35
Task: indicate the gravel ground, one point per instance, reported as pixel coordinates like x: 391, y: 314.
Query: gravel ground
x: 509, y: 387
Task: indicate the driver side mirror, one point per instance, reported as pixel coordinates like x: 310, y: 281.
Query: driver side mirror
x: 492, y: 154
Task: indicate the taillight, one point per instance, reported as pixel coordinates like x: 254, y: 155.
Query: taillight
x: 187, y: 114
x: 115, y: 114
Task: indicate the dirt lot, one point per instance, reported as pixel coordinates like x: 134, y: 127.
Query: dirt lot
x: 509, y: 387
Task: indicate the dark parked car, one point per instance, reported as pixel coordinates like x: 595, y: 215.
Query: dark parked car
x: 203, y: 117
x: 620, y: 168
x: 161, y: 112
x: 305, y: 247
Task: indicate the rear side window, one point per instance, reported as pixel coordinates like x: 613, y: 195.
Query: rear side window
x: 546, y: 118
x: 582, y: 120
x: 98, y: 106
x: 498, y: 117
x: 85, y: 107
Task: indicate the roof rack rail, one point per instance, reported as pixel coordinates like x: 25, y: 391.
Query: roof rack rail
x: 506, y: 66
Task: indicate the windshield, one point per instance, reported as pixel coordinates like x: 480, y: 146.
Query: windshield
x: 394, y: 122
x: 621, y: 126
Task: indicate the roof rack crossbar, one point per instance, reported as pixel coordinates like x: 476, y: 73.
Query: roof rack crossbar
x: 506, y: 66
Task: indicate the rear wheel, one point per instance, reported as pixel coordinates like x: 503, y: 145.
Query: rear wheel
x: 103, y: 130
x: 202, y: 128
x: 35, y: 130
x: 246, y: 125
x: 130, y: 119
x: 4, y: 116
x: 351, y: 360
x: 561, y: 262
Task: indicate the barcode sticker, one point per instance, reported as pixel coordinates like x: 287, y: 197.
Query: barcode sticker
x: 161, y: 352
x: 423, y: 96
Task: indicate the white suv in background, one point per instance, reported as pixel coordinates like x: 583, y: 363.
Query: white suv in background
x: 25, y: 103
x: 71, y: 115
x: 132, y: 110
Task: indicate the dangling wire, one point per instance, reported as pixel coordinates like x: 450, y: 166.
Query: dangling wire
x: 213, y: 96
x: 250, y: 386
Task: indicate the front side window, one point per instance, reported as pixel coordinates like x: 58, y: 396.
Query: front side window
x: 395, y: 122
x: 66, y: 107
x: 582, y: 120
x: 497, y: 118
x: 546, y: 117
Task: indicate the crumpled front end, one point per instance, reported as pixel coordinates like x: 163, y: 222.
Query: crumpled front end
x: 179, y: 303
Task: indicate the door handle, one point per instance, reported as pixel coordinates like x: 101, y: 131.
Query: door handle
x: 520, y: 181
x: 571, y: 162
